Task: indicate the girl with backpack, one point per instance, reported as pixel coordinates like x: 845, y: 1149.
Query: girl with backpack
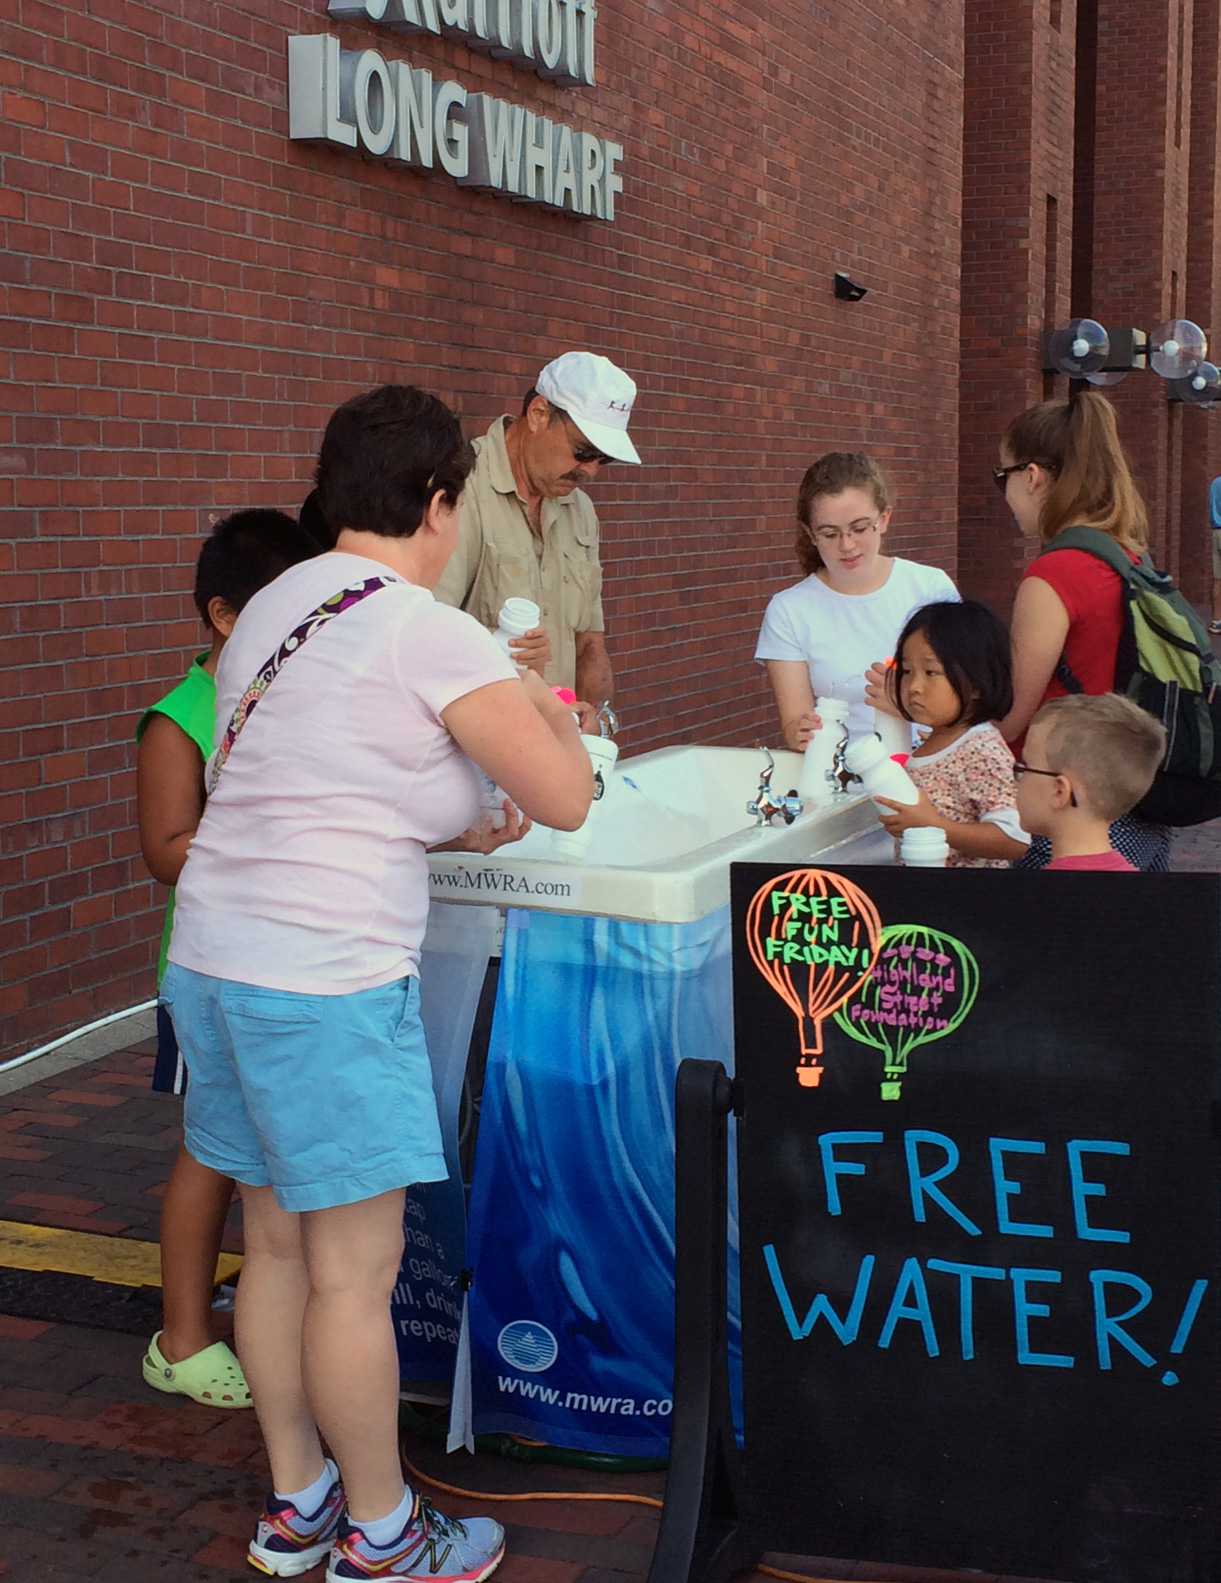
x: 1062, y: 466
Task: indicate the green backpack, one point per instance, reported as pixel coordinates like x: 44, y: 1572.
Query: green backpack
x: 1166, y: 664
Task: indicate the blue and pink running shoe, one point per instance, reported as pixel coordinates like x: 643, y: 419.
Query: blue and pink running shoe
x: 287, y: 1542
x: 431, y: 1549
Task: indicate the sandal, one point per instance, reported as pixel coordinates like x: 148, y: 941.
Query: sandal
x: 212, y: 1377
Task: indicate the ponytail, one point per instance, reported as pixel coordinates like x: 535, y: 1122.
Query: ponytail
x: 1077, y: 442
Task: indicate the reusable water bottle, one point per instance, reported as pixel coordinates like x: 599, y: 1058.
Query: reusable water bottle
x: 603, y: 753
x: 880, y: 775
x: 923, y: 847
x: 517, y: 617
x: 491, y: 801
x: 895, y: 732
x: 816, y: 784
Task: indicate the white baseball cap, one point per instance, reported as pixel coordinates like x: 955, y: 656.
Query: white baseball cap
x: 598, y: 398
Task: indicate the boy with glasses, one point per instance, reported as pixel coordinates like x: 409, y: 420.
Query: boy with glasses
x: 1087, y: 760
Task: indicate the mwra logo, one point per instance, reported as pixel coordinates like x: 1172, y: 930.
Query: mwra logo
x: 527, y: 1345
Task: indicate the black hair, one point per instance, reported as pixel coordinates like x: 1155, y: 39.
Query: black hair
x: 972, y: 644
x: 246, y: 551
x: 315, y: 524
x: 384, y: 455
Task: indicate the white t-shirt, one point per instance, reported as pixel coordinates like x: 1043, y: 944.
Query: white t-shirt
x: 308, y: 871
x: 839, y: 636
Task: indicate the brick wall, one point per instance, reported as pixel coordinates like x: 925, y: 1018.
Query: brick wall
x: 1143, y: 100
x: 187, y: 294
x: 1201, y: 433
x: 1016, y: 257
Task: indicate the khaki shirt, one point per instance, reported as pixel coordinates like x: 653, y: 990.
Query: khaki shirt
x: 497, y: 557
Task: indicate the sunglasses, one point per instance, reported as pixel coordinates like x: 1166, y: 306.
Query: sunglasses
x: 583, y: 453
x: 1000, y: 475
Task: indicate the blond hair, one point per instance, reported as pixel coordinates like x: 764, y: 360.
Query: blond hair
x: 1108, y: 746
x: 1077, y: 442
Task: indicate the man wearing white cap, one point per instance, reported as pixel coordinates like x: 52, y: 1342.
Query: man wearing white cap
x: 528, y: 531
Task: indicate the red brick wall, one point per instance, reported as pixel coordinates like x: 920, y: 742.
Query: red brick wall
x: 1144, y: 88
x: 1201, y: 448
x: 1016, y: 256
x: 187, y: 294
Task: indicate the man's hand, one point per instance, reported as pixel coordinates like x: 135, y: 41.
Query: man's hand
x: 533, y: 650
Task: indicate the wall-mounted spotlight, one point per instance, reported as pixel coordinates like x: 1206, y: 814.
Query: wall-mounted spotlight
x: 1200, y: 389
x: 1176, y: 350
x: 847, y: 290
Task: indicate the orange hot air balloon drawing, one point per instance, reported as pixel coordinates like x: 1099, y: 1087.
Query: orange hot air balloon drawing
x: 814, y: 937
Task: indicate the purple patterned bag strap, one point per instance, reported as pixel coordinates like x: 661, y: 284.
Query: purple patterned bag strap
x: 326, y: 611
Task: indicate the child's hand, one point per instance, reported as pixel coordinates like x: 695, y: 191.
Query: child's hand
x: 899, y: 816
x: 805, y: 729
x: 881, y: 680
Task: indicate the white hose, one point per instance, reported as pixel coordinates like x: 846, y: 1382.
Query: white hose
x: 78, y: 1033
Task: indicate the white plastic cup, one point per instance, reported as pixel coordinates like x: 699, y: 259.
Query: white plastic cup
x: 880, y: 775
x: 603, y: 755
x: 816, y: 784
x: 517, y: 617
x: 924, y: 847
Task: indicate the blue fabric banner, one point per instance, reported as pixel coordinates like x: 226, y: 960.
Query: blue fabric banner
x: 427, y: 1302
x: 571, y: 1232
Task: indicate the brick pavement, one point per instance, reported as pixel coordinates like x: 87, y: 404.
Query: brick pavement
x: 102, y: 1479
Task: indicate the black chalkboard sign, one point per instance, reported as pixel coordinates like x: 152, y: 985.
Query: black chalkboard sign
x: 979, y: 1193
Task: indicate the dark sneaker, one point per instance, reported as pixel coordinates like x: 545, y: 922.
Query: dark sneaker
x: 287, y: 1542
x: 431, y: 1549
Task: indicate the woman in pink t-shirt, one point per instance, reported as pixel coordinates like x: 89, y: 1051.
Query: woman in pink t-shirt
x: 1062, y: 466
x: 293, y: 967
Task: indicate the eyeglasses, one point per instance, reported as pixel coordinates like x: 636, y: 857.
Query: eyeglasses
x: 1020, y: 769
x: 1000, y: 475
x: 583, y: 453
x: 854, y: 530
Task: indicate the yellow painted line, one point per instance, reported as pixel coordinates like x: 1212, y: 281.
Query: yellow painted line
x: 120, y: 1260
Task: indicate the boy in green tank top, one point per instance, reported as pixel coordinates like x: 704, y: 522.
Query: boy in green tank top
x: 242, y: 554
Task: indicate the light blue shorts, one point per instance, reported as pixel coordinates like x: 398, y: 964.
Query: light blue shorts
x: 327, y: 1099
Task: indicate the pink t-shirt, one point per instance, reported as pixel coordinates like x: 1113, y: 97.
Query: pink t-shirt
x: 1110, y: 861
x: 308, y: 872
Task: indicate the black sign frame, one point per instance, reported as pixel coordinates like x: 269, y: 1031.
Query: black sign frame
x: 982, y: 1398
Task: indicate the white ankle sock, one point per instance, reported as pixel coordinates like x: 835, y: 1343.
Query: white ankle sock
x: 386, y: 1530
x: 308, y: 1500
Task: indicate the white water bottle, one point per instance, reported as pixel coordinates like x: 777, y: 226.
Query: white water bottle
x: 880, y: 775
x: 603, y: 754
x: 894, y: 731
x: 923, y: 846
x: 816, y: 784
x: 491, y: 802
x: 517, y: 617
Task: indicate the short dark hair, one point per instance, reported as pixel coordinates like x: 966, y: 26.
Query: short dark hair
x: 831, y: 475
x: 973, y: 646
x: 244, y: 552
x: 384, y: 455
x: 315, y: 524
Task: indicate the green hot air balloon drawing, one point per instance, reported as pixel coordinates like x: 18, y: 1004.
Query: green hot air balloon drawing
x: 922, y: 986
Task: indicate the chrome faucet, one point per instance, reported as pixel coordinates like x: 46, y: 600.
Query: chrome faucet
x: 608, y: 720
x: 839, y: 775
x: 765, y: 804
